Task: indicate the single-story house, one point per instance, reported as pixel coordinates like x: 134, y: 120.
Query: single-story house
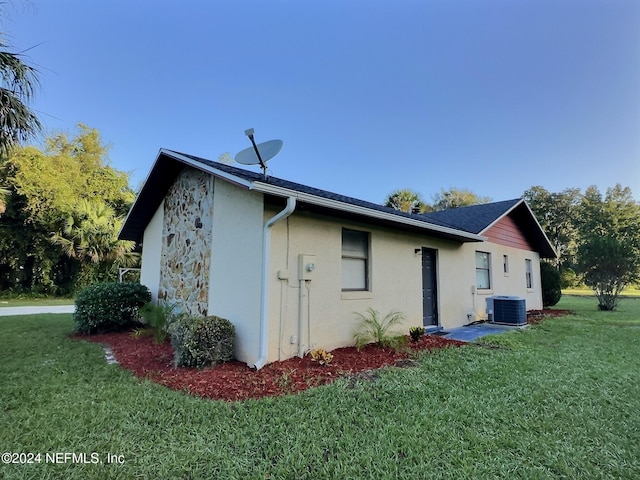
x: 289, y: 264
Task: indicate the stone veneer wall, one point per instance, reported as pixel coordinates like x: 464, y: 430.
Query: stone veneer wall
x: 186, y: 242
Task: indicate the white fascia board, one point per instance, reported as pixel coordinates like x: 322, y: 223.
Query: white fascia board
x: 206, y: 168
x: 364, y: 211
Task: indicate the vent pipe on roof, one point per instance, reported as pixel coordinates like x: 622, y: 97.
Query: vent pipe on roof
x: 264, y: 292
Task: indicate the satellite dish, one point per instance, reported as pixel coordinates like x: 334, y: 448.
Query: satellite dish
x: 267, y: 150
x: 258, y: 154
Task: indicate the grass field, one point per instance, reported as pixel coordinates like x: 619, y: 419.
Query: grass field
x: 29, y: 302
x: 585, y: 292
x: 561, y: 401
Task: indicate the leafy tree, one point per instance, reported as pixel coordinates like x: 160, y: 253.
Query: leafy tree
x: 46, y: 188
x: 406, y: 200
x: 90, y: 235
x: 17, y: 86
x: 456, y: 197
x: 557, y: 214
x: 609, y: 246
x: 4, y: 194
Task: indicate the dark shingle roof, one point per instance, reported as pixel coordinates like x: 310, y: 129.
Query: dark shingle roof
x: 169, y: 164
x: 478, y: 218
x: 298, y: 187
x: 475, y: 218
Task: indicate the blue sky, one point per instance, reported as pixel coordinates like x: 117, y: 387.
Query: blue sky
x: 368, y: 96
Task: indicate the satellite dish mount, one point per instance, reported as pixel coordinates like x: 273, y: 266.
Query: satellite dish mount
x: 249, y: 133
x: 258, y: 154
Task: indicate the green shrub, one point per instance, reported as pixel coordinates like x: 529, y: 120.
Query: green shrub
x: 416, y: 333
x: 373, y: 329
x: 157, y: 317
x: 108, y: 307
x: 550, y: 278
x: 201, y: 341
x: 568, y: 278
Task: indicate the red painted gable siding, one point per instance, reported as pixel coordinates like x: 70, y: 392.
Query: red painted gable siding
x: 506, y: 232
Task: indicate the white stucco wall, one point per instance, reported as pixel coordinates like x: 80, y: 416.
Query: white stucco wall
x: 327, y: 311
x: 511, y: 283
x: 151, y: 251
x: 236, y: 260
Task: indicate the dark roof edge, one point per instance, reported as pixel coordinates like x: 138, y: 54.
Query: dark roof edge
x: 283, y: 191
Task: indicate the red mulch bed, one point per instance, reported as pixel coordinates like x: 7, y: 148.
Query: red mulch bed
x: 234, y: 380
x: 536, y: 316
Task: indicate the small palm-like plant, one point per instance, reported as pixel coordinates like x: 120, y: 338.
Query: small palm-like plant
x: 416, y: 333
x: 157, y: 317
x: 371, y: 328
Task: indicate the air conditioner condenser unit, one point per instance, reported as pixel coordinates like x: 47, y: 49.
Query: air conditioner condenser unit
x: 507, y: 310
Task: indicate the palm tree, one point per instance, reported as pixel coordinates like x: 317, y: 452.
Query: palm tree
x: 406, y: 200
x: 90, y: 235
x: 17, y: 85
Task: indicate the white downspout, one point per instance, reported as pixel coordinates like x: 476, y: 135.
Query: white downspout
x: 264, y: 292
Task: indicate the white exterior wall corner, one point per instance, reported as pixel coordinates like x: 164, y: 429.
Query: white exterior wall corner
x: 152, y: 252
x: 236, y: 256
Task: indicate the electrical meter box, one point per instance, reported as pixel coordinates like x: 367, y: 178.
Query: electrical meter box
x: 306, y: 267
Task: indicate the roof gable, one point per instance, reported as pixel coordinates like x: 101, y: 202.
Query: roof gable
x: 475, y: 218
x: 507, y: 232
x: 510, y: 222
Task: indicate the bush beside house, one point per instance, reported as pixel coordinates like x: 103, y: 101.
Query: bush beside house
x: 108, y: 307
x: 551, y: 284
x: 201, y: 341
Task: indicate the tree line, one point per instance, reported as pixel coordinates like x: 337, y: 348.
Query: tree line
x: 596, y: 236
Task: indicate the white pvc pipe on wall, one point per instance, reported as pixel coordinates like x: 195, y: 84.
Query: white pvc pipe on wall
x: 264, y: 292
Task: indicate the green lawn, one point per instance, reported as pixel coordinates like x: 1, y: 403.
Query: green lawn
x: 586, y: 292
x: 562, y: 402
x: 29, y: 302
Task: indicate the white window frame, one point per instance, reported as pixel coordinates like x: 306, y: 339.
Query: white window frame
x: 482, y: 269
x: 352, y: 260
x: 528, y: 273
